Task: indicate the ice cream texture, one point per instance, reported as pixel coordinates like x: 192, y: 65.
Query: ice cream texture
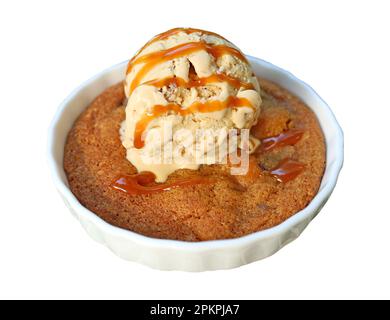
x: 185, y: 89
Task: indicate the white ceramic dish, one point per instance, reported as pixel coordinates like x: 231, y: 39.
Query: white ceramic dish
x: 197, y: 256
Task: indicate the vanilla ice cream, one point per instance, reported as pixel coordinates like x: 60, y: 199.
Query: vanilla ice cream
x: 186, y: 89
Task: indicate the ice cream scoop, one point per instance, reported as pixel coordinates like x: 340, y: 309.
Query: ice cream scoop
x: 187, y: 91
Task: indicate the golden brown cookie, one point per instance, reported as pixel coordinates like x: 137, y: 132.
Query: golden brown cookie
x: 230, y: 207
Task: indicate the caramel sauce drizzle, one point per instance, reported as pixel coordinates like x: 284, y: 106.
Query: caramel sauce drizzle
x: 143, y: 183
x: 152, y: 59
x: 215, y: 78
x: 287, y: 170
x: 202, y: 107
x: 286, y: 138
x: 140, y: 183
x: 174, y: 31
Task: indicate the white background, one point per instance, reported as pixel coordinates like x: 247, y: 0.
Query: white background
x: 340, y: 48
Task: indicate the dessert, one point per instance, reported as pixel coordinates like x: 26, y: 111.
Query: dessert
x: 194, y: 81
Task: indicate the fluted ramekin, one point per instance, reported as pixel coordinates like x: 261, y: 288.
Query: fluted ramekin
x: 194, y: 256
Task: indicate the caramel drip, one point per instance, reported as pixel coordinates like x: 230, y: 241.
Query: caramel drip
x: 152, y: 59
x: 140, y: 183
x: 215, y: 78
x: 287, y: 170
x: 174, y: 31
x: 287, y: 138
x: 143, y: 183
x: 202, y: 107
